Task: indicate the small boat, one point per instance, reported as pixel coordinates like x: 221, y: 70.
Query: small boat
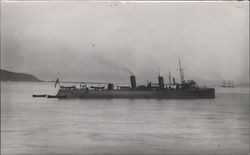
x: 56, y: 96
x: 42, y: 95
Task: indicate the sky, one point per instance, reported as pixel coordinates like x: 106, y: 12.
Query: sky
x: 106, y: 41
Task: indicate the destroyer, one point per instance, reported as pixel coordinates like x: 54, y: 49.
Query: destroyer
x: 173, y: 90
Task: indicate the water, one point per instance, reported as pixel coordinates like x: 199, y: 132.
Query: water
x: 122, y: 126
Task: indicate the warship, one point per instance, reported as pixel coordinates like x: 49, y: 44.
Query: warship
x: 172, y: 90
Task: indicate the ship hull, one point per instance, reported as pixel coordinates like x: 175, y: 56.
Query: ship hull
x: 228, y: 86
x: 157, y: 94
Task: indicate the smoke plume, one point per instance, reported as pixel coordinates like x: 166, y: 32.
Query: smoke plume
x: 114, y: 65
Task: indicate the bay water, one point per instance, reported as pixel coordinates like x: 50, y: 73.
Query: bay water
x: 122, y: 126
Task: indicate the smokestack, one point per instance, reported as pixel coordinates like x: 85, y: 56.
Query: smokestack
x: 133, y: 82
x: 110, y: 86
x: 161, y: 82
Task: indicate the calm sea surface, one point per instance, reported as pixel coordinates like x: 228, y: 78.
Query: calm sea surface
x: 121, y: 126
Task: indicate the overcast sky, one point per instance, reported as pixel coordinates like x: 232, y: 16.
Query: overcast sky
x: 102, y: 41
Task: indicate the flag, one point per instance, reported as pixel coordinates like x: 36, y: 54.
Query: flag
x: 57, y: 81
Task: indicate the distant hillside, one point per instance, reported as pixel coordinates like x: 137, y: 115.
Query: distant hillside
x: 12, y: 76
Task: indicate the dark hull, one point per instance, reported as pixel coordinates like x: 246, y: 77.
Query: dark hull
x: 43, y: 95
x: 157, y: 94
x: 57, y: 96
x: 228, y: 86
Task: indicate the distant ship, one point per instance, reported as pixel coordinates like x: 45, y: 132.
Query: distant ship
x: 172, y: 90
x: 228, y: 84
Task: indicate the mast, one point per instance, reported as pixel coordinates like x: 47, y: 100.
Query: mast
x: 181, y: 71
x: 169, y: 76
x: 224, y: 83
x: 158, y: 71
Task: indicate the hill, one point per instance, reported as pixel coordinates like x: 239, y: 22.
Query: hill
x: 12, y: 76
